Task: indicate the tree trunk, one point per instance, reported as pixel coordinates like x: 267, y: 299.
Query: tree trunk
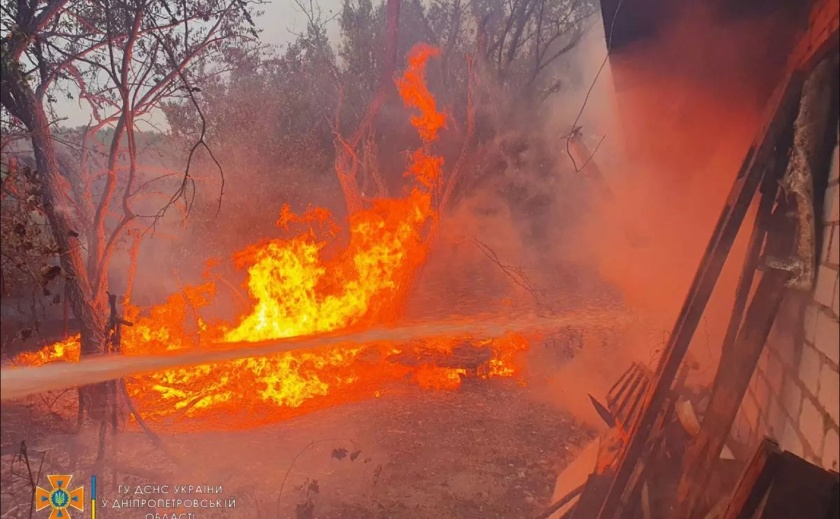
x: 346, y: 159
x: 55, y: 191
x: 346, y: 166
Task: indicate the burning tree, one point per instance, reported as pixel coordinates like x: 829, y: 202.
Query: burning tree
x: 309, y: 283
x: 123, y: 58
x: 317, y: 106
x: 496, y: 67
x: 297, y: 288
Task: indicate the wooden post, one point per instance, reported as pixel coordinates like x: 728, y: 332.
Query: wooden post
x: 782, y: 113
x: 114, y: 329
x: 756, y: 244
x: 733, y: 378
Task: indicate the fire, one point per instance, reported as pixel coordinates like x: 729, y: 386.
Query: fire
x: 297, y: 290
x: 412, y: 87
x: 66, y: 350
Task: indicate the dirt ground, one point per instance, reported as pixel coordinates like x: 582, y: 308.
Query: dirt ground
x: 488, y: 450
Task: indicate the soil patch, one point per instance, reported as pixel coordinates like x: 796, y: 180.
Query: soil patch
x: 488, y: 450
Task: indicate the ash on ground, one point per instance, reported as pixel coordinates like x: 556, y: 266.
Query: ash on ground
x: 488, y: 450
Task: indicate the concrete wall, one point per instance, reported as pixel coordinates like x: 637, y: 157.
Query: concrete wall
x: 793, y: 395
x: 794, y: 392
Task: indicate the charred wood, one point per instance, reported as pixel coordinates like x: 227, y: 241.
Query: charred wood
x: 731, y: 383
x: 798, y: 181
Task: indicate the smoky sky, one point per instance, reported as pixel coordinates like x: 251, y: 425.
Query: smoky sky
x: 280, y: 21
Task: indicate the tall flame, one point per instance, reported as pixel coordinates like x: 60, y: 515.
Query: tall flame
x: 297, y: 290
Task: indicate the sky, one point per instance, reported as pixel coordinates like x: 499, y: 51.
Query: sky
x: 282, y: 17
x: 280, y: 20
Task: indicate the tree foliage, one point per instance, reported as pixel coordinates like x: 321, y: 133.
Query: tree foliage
x: 322, y: 116
x: 315, y: 118
x: 122, y: 58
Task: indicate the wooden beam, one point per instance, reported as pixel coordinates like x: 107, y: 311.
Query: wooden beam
x: 781, y: 115
x: 733, y: 378
x: 756, y: 244
x: 729, y: 349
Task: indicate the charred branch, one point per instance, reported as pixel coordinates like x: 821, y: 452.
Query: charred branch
x: 346, y: 157
x: 516, y: 274
x: 468, y: 147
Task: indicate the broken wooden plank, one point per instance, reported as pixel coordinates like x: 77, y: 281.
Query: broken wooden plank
x: 560, y: 503
x: 610, y: 448
x: 782, y: 113
x: 748, y: 272
x: 575, y: 475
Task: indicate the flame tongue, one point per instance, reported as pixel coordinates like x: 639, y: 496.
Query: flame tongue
x: 297, y: 291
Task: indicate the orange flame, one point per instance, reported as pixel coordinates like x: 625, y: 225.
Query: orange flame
x: 412, y: 87
x: 297, y: 291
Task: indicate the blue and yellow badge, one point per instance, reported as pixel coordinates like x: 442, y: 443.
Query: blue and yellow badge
x: 60, y: 498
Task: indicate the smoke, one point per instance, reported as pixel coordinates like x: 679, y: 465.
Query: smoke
x: 671, y: 119
x: 668, y: 122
